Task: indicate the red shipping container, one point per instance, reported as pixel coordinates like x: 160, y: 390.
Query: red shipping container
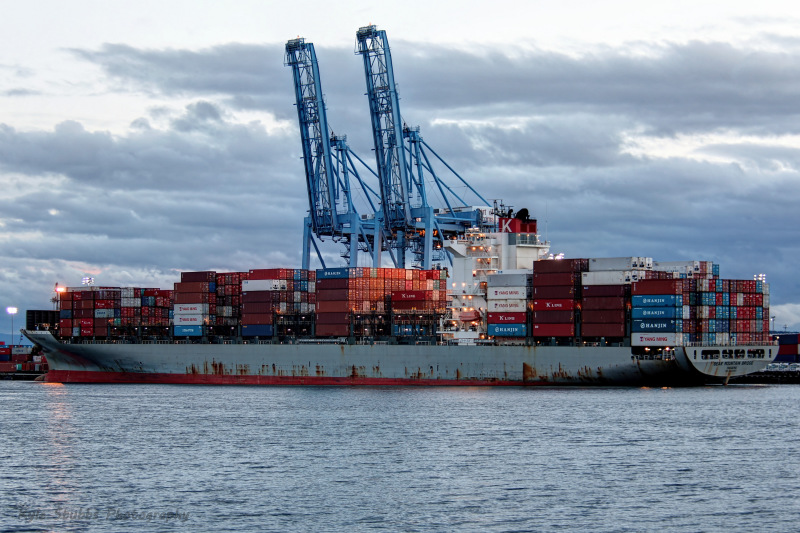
x: 398, y: 296
x: 592, y: 291
x: 333, y: 318
x: 553, y: 330
x: 604, y: 316
x: 606, y: 302
x: 333, y: 307
x: 548, y: 266
x: 64, y: 324
x: 556, y: 292
x: 257, y: 308
x: 87, y: 332
x: 332, y: 294
x: 256, y: 296
x: 193, y: 286
x: 100, y: 324
x: 564, y: 304
x: 205, y: 276
x: 555, y: 279
x: 332, y: 330
x: 657, y: 286
x: 326, y: 284
x: 8, y: 367
x: 156, y: 292
x: 257, y: 319
x: 506, y: 318
x: 603, y: 330
x: 553, y: 317
x: 194, y: 298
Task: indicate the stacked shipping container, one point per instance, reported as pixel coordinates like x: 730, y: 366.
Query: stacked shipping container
x: 277, y: 301
x: 367, y: 296
x: 701, y: 311
x: 507, y: 297
x: 195, y: 303
x: 556, y: 290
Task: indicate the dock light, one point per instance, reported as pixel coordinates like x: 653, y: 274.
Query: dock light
x: 12, y: 311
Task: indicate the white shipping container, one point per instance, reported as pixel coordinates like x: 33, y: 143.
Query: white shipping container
x: 130, y: 302
x: 685, y: 267
x: 104, y: 313
x: 612, y: 277
x: 126, y: 292
x: 189, y: 320
x: 656, y: 339
x: 21, y: 350
x: 264, y: 285
x: 514, y: 306
x: 507, y: 293
x: 191, y: 309
x: 619, y: 263
x: 509, y: 280
x: 312, y: 286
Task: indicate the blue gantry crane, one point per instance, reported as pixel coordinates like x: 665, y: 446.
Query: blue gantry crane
x: 404, y: 167
x: 329, y: 165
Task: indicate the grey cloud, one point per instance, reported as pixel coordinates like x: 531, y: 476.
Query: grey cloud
x: 192, y: 188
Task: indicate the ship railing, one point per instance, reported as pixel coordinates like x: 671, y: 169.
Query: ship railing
x: 728, y: 343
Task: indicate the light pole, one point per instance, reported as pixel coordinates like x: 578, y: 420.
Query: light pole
x: 12, y: 311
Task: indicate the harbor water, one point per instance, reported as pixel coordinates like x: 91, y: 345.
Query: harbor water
x: 200, y: 458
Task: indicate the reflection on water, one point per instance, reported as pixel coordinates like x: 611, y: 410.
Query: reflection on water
x: 60, y: 435
x: 150, y: 457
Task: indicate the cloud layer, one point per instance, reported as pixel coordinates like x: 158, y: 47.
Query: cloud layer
x: 668, y: 150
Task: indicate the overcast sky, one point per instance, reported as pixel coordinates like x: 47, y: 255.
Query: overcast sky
x: 139, y: 139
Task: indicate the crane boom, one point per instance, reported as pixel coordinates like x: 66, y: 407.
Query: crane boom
x: 387, y: 127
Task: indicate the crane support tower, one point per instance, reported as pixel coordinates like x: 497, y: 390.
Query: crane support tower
x: 404, y: 167
x: 328, y: 166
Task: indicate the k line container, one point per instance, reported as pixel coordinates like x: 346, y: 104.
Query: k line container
x: 506, y: 318
x: 563, y: 304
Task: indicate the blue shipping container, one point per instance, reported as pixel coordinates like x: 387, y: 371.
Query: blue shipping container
x: 256, y: 330
x: 188, y: 331
x: 507, y: 330
x: 656, y: 312
x: 788, y: 338
x: 65, y: 313
x: 333, y: 273
x: 659, y: 300
x: 657, y: 326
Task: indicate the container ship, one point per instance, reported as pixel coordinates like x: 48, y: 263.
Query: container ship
x: 505, y: 312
